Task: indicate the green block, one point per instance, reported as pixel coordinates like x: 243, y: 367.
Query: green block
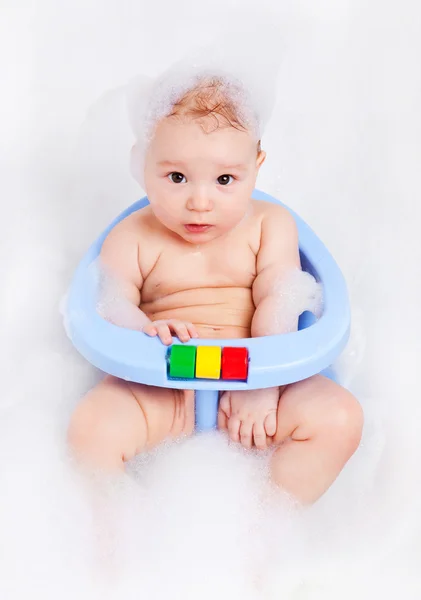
x: 182, y: 361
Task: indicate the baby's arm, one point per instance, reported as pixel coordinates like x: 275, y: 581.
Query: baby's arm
x: 277, y: 259
x: 122, y: 282
x: 251, y: 416
x: 121, y: 278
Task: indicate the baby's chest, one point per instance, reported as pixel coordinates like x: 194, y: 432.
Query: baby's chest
x: 180, y: 269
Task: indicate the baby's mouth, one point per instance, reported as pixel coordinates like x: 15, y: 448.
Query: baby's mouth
x: 194, y: 228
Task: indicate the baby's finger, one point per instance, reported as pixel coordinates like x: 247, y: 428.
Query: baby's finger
x: 149, y: 329
x: 164, y: 334
x: 192, y: 330
x: 246, y: 433
x: 180, y: 330
x: 234, y: 429
x: 270, y: 424
x: 259, y: 436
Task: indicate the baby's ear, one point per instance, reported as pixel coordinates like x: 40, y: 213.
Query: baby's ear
x: 260, y: 158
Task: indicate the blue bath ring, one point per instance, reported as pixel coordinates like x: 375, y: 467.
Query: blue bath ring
x: 273, y: 360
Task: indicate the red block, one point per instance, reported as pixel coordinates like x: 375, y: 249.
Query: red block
x: 234, y: 363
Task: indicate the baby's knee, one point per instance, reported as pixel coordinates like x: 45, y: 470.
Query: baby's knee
x: 320, y: 408
x: 94, y: 442
x: 107, y: 427
x: 347, y: 420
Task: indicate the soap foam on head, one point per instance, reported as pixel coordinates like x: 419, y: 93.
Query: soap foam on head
x: 168, y: 93
x: 239, y: 79
x: 219, y: 89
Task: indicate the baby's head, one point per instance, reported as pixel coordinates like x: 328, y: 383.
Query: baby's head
x: 201, y: 163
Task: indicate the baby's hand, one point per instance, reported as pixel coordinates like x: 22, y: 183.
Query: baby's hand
x: 249, y: 416
x: 163, y: 328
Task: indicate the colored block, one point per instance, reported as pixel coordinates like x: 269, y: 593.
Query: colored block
x: 235, y: 363
x: 182, y: 361
x: 208, y: 362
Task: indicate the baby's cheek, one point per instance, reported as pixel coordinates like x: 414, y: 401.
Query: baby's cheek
x: 232, y: 217
x: 163, y: 215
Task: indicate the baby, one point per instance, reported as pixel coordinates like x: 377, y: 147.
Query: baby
x: 205, y: 260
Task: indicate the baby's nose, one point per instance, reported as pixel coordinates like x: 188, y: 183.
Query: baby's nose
x: 199, y: 200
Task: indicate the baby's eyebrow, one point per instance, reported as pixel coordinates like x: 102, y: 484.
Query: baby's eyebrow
x: 170, y: 163
x: 223, y: 167
x: 239, y: 167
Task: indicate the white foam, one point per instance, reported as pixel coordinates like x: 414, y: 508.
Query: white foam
x: 296, y: 292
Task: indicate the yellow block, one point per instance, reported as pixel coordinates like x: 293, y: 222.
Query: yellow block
x: 208, y: 362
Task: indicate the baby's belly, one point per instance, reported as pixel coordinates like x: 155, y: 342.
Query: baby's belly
x: 216, y: 312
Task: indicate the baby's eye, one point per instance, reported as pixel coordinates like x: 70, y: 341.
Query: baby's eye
x: 176, y: 177
x: 225, y: 179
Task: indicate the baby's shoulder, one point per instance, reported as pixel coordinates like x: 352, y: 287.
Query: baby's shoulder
x: 138, y: 222
x: 134, y: 228
x: 137, y: 239
x: 273, y: 216
x: 133, y: 236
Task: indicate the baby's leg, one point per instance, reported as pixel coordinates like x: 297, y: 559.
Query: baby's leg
x: 319, y: 428
x: 117, y: 420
